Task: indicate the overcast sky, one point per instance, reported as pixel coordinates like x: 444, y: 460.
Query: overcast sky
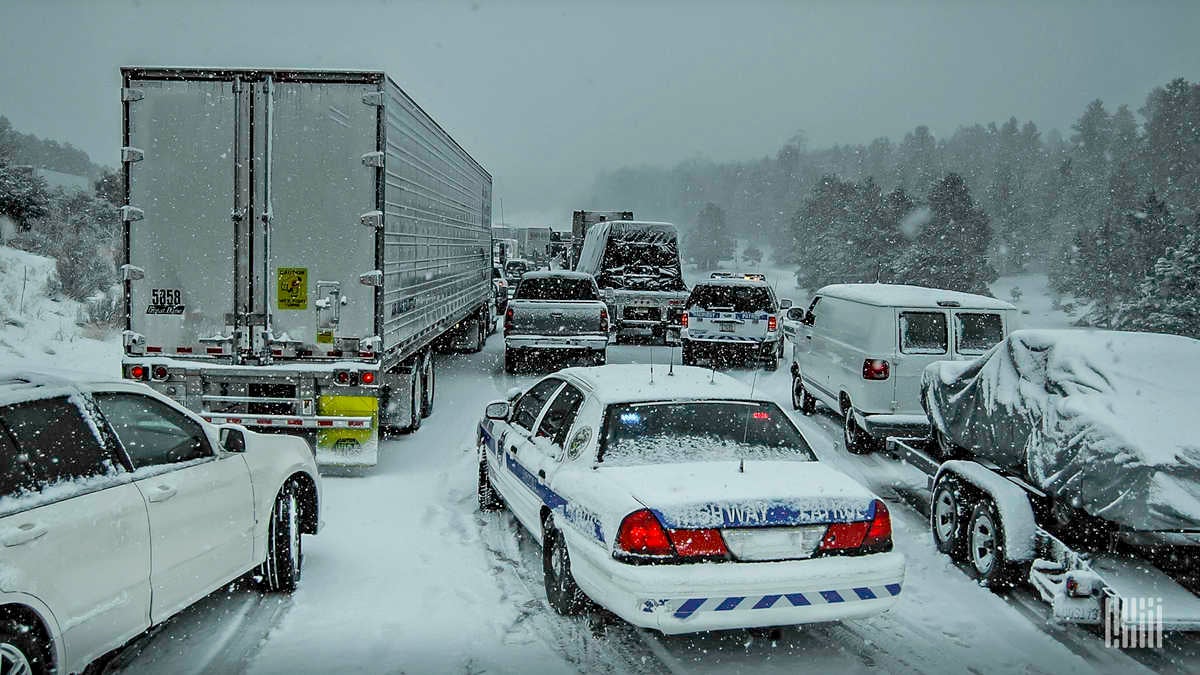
x: 546, y: 94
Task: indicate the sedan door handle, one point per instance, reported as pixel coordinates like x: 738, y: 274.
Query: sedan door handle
x: 541, y: 473
x: 161, y: 493
x: 24, y: 534
x: 512, y: 449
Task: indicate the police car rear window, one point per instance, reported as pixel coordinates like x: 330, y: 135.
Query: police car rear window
x: 699, y: 431
x: 739, y: 298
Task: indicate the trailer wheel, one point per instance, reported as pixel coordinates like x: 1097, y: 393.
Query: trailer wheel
x: 948, y: 514
x: 428, y: 385
x: 985, y: 548
x: 414, y: 400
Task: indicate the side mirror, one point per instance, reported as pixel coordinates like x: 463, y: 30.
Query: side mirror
x: 808, y: 318
x: 785, y: 303
x: 513, y: 394
x: 496, y: 410
x: 232, y: 439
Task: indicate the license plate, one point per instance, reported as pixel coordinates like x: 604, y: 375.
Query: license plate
x: 728, y: 327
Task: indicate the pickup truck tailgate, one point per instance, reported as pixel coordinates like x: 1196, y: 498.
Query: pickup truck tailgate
x: 555, y: 317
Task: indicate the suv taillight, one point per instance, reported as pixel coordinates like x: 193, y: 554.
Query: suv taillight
x: 772, y: 324
x: 508, y: 320
x: 864, y: 536
x: 876, y: 369
x: 641, y: 538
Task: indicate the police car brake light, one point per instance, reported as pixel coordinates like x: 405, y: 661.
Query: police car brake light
x: 641, y: 534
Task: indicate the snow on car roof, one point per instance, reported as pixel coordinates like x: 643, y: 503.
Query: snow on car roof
x: 24, y: 384
x: 887, y: 295
x: 557, y: 274
x: 736, y: 281
x: 627, y: 383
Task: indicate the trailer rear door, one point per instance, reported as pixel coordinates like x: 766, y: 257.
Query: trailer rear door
x: 180, y: 157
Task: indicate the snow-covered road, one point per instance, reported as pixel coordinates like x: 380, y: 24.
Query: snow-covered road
x: 408, y: 576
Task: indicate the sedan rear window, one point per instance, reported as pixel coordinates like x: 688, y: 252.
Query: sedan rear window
x: 557, y: 288
x: 923, y: 332
x: 699, y: 431
x: 977, y: 332
x: 738, y: 298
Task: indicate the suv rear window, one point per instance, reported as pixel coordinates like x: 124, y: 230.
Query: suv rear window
x: 557, y: 288
x: 923, y: 332
x: 55, y: 440
x: 738, y: 298
x: 977, y: 332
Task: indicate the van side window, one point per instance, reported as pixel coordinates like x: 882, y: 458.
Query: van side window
x: 976, y: 332
x: 810, y: 318
x: 923, y: 333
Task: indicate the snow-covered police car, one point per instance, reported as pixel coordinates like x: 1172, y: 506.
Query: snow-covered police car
x: 681, y: 501
x: 733, y: 315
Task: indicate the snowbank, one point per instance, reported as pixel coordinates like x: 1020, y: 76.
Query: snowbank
x: 1098, y: 418
x: 38, y: 327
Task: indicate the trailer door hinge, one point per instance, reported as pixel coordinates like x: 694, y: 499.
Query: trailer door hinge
x: 129, y: 155
x: 374, y: 98
x: 372, y: 219
x: 374, y: 159
x: 129, y: 94
x: 132, y: 272
x: 372, y: 278
x: 131, y: 213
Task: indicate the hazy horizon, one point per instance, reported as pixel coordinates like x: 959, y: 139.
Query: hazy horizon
x: 547, y: 95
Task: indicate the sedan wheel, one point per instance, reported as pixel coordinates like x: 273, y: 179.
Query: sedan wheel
x: 489, y: 500
x: 19, y: 652
x: 562, y: 593
x: 285, y: 555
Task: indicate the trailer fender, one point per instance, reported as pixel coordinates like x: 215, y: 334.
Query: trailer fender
x: 1016, y: 513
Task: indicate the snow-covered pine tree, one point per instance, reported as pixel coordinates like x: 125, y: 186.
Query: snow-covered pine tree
x: 1169, y: 301
x: 951, y: 251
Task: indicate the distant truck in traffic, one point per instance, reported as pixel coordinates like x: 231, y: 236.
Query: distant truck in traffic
x: 637, y: 267
x: 534, y: 244
x: 582, y: 221
x: 276, y: 274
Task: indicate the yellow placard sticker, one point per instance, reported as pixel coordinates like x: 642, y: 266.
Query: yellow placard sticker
x: 293, y: 288
x: 325, y: 337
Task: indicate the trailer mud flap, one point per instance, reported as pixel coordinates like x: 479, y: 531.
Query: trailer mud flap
x: 348, y: 447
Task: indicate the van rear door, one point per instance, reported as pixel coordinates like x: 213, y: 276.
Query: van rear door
x: 923, y: 336
x: 976, y: 331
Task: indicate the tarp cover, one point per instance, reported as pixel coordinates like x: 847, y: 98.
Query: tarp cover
x: 633, y: 256
x: 1104, y: 420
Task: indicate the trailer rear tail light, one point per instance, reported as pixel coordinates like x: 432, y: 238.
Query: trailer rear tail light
x: 137, y: 372
x: 641, y: 535
x: 876, y: 369
x: 603, y: 320
x: 215, y: 350
x: 158, y: 373
x: 864, y: 536
x: 508, y: 320
x: 153, y: 350
x: 183, y: 350
x: 342, y: 377
x: 367, y: 378
x: 772, y: 324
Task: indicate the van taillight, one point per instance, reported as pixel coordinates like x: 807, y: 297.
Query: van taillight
x: 876, y: 369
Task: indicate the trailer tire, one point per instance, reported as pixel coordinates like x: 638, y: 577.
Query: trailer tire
x: 949, y: 510
x: 414, y: 400
x: 985, y: 548
x: 428, y: 385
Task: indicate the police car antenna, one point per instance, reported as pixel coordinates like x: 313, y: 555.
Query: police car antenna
x: 671, y: 368
x: 754, y: 383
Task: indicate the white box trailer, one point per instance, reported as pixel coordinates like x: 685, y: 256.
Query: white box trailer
x: 296, y: 242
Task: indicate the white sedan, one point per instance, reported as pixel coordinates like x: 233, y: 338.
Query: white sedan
x: 683, y: 502
x: 119, y: 508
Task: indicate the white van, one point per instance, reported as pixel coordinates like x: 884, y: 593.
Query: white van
x: 861, y: 349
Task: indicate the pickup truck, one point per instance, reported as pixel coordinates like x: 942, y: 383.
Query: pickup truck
x: 556, y: 311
